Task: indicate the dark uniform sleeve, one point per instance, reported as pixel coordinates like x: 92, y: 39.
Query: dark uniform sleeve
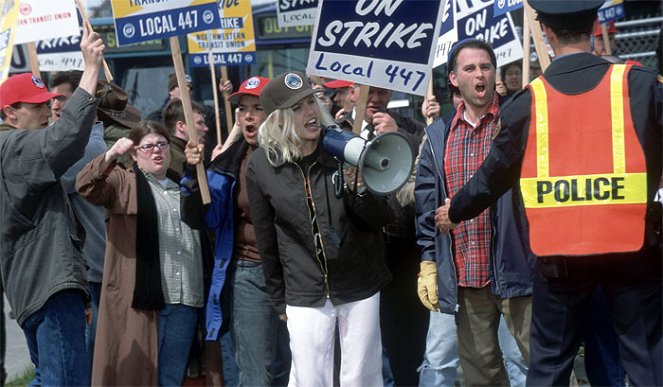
x: 501, y: 169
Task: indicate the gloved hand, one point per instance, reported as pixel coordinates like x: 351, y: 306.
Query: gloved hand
x: 427, y: 285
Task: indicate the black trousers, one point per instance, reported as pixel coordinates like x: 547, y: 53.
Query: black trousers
x: 563, y: 290
x: 3, y: 336
x: 403, y: 320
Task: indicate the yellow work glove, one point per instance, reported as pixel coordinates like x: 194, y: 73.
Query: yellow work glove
x: 427, y: 285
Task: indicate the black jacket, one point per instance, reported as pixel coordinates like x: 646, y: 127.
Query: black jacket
x: 352, y: 244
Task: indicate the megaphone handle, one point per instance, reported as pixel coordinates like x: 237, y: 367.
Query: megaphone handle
x: 339, y: 181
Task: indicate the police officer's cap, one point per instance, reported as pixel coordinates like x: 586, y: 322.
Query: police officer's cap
x: 561, y: 7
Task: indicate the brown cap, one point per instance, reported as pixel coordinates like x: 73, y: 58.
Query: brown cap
x: 114, y: 105
x: 172, y: 81
x: 285, y: 90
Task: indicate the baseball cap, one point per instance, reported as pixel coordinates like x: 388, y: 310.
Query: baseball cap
x: 24, y: 88
x: 337, y: 84
x: 251, y: 86
x: 599, y: 32
x: 172, y: 80
x: 285, y: 90
x: 564, y: 7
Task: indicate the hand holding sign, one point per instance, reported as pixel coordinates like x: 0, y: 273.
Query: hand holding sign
x: 92, y: 48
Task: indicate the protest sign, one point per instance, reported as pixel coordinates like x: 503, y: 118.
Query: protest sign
x: 232, y: 45
x: 448, y: 34
x: 143, y: 20
x: 8, y: 18
x: 292, y: 13
x: 383, y: 43
x: 611, y: 10
x: 477, y: 20
x: 503, y: 6
x: 46, y: 19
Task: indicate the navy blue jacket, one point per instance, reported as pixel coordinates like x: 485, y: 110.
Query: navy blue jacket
x: 512, y: 263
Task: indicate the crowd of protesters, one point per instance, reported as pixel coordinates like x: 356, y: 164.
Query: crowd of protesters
x: 119, y: 274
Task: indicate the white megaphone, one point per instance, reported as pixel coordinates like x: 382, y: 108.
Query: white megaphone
x: 385, y: 163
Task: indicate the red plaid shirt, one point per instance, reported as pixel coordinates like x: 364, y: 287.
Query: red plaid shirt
x: 467, y: 147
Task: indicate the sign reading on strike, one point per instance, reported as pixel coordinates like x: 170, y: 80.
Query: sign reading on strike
x: 477, y: 20
x: 448, y: 34
x: 292, y: 13
x: 233, y: 45
x: 383, y: 43
x: 144, y: 20
x: 504, y: 6
x: 46, y: 19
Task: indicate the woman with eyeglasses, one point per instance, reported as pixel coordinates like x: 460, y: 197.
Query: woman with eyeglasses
x: 322, y: 255
x: 152, y: 288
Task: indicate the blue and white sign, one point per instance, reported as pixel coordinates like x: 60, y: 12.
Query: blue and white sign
x: 611, y: 10
x: 291, y: 13
x: 477, y: 20
x: 143, y: 20
x: 382, y: 43
x: 448, y: 34
x: 504, y: 6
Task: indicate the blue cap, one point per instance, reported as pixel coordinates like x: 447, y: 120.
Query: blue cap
x: 563, y: 7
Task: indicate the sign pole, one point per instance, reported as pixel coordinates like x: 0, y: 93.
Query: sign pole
x: 429, y: 94
x: 226, y: 101
x: 215, y: 92
x: 360, y: 108
x: 86, y: 20
x: 606, y: 39
x: 188, y: 114
x: 34, y: 61
x: 537, y: 35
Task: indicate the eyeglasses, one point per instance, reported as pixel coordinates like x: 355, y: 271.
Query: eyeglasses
x: 147, y: 148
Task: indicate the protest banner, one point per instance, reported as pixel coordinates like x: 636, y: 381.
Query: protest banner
x: 8, y: 18
x: 503, y: 6
x: 233, y: 44
x: 144, y: 20
x: 62, y: 53
x: 382, y: 43
x: 611, y: 10
x: 477, y: 20
x: 291, y: 13
x: 448, y: 34
x: 46, y: 19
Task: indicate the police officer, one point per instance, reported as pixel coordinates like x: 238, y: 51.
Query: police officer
x: 589, y: 164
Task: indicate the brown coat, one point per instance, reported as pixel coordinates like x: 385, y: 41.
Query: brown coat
x: 126, y: 347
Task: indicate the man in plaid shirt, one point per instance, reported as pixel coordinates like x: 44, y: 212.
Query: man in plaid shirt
x: 483, y: 269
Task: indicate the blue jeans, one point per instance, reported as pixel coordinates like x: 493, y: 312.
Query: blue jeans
x: 55, y: 336
x: 441, y: 362
x: 257, y: 330
x: 177, y: 326
x: 91, y: 330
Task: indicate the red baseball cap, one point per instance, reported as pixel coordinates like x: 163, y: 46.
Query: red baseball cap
x: 599, y: 32
x: 252, y: 86
x: 24, y: 88
x: 337, y: 84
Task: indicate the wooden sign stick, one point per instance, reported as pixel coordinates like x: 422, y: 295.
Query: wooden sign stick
x: 188, y: 113
x: 360, y: 108
x: 226, y: 101
x: 86, y: 20
x: 429, y: 94
x: 34, y: 62
x: 606, y: 39
x: 537, y: 35
x: 215, y: 92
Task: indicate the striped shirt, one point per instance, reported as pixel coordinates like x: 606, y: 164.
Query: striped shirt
x: 467, y: 147
x: 180, y: 253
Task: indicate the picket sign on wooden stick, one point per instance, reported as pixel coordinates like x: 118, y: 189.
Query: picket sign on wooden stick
x: 226, y: 101
x: 86, y: 20
x: 360, y: 108
x: 215, y: 92
x: 176, y: 52
x: 526, y: 51
x: 537, y: 36
x: 606, y: 39
x: 429, y: 94
x: 34, y: 62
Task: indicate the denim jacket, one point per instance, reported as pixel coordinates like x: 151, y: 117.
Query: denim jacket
x: 512, y: 263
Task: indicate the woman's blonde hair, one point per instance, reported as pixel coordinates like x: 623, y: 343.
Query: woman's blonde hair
x: 278, y: 137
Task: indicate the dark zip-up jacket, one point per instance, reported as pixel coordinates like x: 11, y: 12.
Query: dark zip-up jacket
x: 351, y: 266
x: 511, y: 263
x: 40, y: 243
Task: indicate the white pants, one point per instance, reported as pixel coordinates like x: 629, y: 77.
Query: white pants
x: 312, y: 344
